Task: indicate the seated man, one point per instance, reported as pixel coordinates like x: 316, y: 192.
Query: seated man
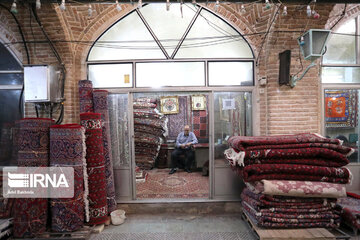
x: 184, y: 142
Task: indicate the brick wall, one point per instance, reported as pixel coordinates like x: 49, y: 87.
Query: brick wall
x: 281, y: 110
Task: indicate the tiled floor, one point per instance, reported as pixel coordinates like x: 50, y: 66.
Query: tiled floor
x: 180, y: 227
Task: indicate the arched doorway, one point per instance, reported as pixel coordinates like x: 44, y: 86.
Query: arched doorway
x: 186, y: 52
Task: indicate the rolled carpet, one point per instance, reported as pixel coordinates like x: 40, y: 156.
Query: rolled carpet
x: 67, y: 149
x: 30, y: 214
x: 101, y: 106
x: 95, y: 164
x: 86, y: 96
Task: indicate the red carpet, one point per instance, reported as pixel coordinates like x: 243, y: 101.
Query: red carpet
x: 160, y: 184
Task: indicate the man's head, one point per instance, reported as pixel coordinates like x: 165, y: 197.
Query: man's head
x: 186, y: 130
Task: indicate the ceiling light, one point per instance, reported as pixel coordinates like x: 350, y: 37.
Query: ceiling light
x: 118, y: 7
x: 38, y: 4
x: 13, y: 8
x: 62, y: 5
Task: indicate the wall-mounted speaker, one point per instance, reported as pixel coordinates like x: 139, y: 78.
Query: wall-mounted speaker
x: 284, y: 67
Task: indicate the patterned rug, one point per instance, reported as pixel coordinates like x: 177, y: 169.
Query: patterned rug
x: 15, y: 143
x: 177, y: 122
x: 160, y: 184
x: 6, y: 204
x: 86, y: 96
x: 200, y: 124
x: 95, y: 164
x: 101, y: 106
x: 5, y: 143
x: 349, y: 208
x: 30, y: 214
x: 341, y: 108
x: 67, y: 149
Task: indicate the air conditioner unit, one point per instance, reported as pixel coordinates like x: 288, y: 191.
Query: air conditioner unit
x: 42, y: 83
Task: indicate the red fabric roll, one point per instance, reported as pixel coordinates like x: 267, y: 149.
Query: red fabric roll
x: 95, y: 164
x: 101, y: 106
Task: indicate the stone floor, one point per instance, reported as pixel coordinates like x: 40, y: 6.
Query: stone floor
x: 181, y: 227
x: 178, y: 227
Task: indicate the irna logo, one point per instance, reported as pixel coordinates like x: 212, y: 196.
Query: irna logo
x: 38, y: 182
x: 34, y: 180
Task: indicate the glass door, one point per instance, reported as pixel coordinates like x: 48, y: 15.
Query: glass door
x: 159, y: 117
x: 120, y: 145
x: 232, y: 117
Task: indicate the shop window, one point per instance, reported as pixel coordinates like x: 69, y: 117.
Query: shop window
x: 340, y: 67
x: 341, y: 46
x: 341, y: 74
x: 118, y: 116
x: 169, y: 26
x: 221, y: 41
x: 126, y: 39
x: 171, y: 48
x: 230, y: 73
x: 342, y: 117
x: 111, y: 75
x: 170, y: 74
x: 233, y: 117
x: 11, y: 80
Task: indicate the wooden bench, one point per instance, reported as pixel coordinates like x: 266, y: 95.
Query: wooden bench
x: 201, y: 154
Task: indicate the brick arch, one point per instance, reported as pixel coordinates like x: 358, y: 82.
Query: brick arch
x: 9, y: 33
x: 94, y: 29
x: 16, y: 52
x: 336, y: 17
x: 52, y: 22
x: 109, y: 16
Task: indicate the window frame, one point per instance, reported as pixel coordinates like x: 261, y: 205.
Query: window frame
x: 173, y: 57
x: 343, y: 85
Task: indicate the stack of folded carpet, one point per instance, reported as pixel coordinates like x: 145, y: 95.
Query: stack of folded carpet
x: 150, y: 127
x: 349, y: 209
x: 141, y: 175
x: 292, y: 180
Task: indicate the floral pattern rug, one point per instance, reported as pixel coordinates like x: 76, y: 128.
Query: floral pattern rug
x: 160, y: 184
